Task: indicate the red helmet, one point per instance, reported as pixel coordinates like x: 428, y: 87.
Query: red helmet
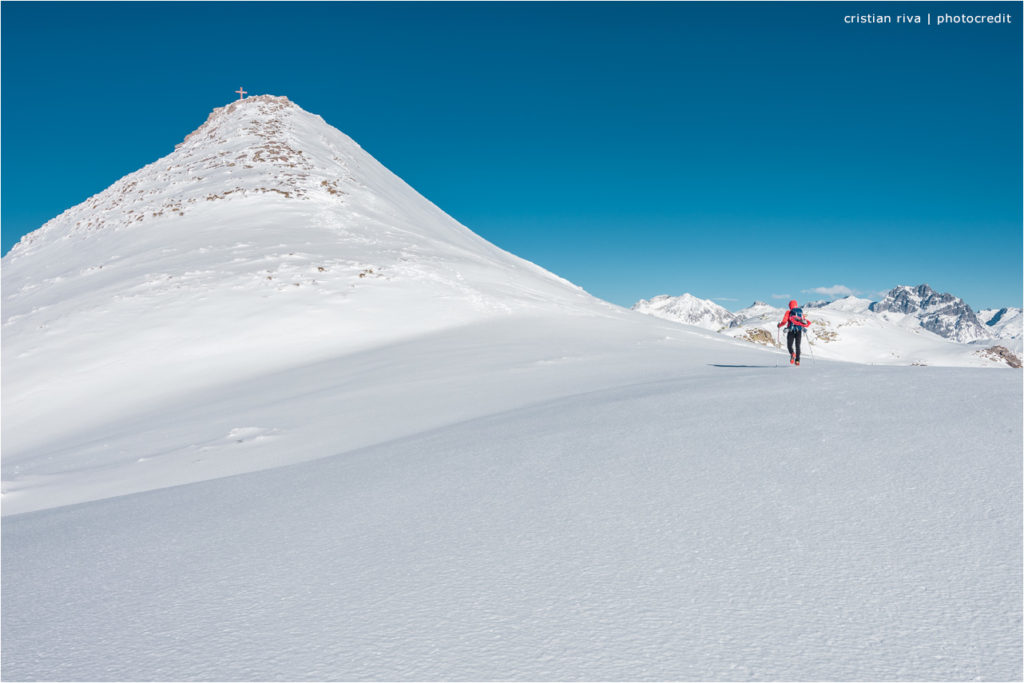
x: 792, y: 304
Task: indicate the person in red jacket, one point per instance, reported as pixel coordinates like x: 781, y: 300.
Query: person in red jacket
x: 795, y: 325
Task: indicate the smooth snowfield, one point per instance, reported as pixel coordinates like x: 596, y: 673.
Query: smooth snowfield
x: 166, y: 431
x: 722, y: 519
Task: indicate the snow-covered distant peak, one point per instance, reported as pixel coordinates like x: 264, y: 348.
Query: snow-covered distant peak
x: 687, y: 309
x: 849, y: 329
x: 944, y: 314
x: 1003, y: 323
x: 905, y: 299
x: 759, y: 309
x: 850, y: 304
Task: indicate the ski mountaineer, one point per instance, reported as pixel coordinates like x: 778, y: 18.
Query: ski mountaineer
x: 795, y: 324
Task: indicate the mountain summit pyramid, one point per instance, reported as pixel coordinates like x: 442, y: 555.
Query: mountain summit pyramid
x: 267, y: 294
x: 263, y: 173
x: 267, y: 238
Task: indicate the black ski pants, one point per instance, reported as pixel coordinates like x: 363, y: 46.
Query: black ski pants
x: 793, y: 342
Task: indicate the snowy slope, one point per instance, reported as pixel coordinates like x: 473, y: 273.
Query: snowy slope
x: 1004, y: 323
x: 294, y: 431
x: 356, y: 399
x: 723, y: 523
x: 267, y: 239
x: 266, y: 245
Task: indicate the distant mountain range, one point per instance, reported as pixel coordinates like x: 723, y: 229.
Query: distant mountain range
x: 910, y: 325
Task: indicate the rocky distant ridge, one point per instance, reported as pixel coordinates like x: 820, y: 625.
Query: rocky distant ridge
x: 944, y: 314
x: 910, y: 325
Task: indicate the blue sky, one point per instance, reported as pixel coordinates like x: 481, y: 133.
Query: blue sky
x: 736, y: 151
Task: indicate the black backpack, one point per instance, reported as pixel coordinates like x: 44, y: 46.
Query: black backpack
x: 796, y: 315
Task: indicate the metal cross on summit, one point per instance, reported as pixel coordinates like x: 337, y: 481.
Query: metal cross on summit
x: 241, y: 93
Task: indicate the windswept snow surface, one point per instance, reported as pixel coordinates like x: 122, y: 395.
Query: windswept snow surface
x: 731, y: 521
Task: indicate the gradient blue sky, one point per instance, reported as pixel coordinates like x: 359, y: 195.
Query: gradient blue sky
x: 737, y: 151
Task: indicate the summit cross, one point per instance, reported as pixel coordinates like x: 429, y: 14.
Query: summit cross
x: 241, y: 94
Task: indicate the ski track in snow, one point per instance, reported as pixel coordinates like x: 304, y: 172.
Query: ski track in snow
x: 719, y: 526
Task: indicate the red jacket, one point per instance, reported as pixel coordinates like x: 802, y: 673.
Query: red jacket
x: 797, y: 323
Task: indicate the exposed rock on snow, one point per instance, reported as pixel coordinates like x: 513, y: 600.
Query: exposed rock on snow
x: 1004, y: 354
x: 822, y: 331
x: 758, y: 336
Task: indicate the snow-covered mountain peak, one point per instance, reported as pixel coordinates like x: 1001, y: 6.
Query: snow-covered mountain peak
x: 274, y: 146
x: 758, y: 309
x: 265, y: 173
x: 266, y: 137
x: 851, y: 304
x: 261, y: 147
x: 256, y: 115
x: 687, y: 309
x: 1005, y: 323
x: 907, y: 299
x: 266, y: 239
x: 944, y: 314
